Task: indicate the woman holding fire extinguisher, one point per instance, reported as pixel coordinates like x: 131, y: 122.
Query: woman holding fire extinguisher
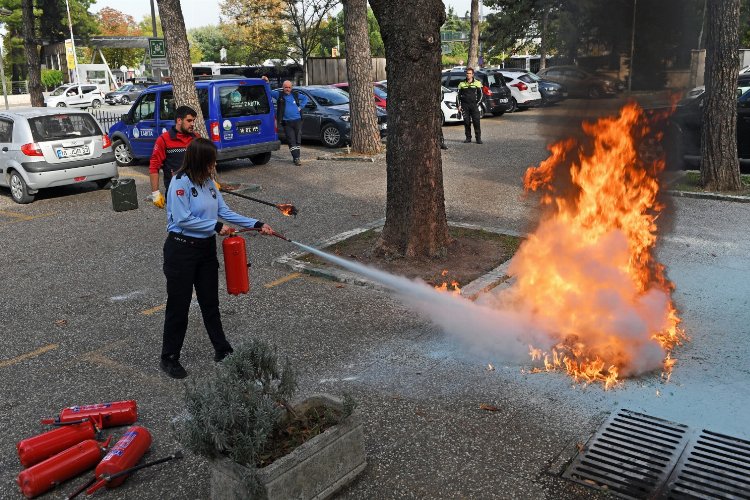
x: 194, y: 207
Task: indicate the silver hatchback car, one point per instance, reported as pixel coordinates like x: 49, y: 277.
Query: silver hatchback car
x: 46, y: 147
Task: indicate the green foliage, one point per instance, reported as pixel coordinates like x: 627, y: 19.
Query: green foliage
x: 334, y: 25
x: 210, y: 40
x: 51, y: 78
x: 233, y: 412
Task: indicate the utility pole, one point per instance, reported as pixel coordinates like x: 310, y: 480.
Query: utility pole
x: 4, y: 13
x: 73, y: 42
x: 156, y: 35
x: 632, y: 48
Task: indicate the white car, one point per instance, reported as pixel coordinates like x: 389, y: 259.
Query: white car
x: 524, y: 90
x: 449, y: 108
x: 75, y: 96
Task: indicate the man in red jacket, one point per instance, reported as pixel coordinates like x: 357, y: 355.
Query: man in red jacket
x: 169, y: 149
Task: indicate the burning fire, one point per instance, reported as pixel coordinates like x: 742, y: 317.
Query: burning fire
x: 588, y: 273
x: 453, y: 287
x: 287, y: 209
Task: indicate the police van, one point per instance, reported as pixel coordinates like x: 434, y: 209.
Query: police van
x: 239, y: 116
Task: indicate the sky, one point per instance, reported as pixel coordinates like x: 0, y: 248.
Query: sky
x: 205, y: 12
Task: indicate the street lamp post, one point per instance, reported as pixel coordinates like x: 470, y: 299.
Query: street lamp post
x: 632, y: 49
x: 3, y: 13
x: 72, y: 41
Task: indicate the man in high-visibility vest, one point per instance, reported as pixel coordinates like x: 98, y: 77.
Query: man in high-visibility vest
x: 468, y: 101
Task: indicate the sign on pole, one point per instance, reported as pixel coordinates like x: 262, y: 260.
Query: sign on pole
x: 69, y: 55
x: 157, y: 50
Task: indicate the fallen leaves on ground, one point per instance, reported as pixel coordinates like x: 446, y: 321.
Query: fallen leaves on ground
x: 485, y: 406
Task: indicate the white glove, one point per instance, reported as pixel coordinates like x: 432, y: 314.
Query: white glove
x: 157, y: 199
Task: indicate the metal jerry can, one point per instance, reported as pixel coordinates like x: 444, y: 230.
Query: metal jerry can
x: 235, y: 264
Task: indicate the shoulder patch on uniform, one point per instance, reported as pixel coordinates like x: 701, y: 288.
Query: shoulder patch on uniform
x: 180, y: 192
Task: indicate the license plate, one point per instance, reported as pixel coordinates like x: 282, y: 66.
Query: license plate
x: 251, y: 129
x: 503, y: 100
x: 534, y: 88
x: 72, y: 152
x: 383, y: 126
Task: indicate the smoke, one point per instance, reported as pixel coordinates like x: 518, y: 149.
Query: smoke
x: 502, y: 333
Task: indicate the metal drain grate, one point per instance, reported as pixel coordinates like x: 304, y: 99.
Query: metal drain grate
x: 631, y: 455
x: 714, y: 466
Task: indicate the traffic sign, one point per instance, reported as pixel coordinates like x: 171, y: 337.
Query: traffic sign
x: 157, y: 50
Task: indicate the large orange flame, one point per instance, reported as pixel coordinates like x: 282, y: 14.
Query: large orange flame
x: 588, y: 274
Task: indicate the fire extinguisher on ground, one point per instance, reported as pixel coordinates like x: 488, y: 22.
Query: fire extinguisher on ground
x: 33, y: 450
x: 103, y: 414
x: 124, y: 455
x: 236, y: 265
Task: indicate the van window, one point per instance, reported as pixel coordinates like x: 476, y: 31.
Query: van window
x: 203, y: 100
x: 243, y: 100
x: 145, y: 108
x: 89, y: 88
x: 63, y: 126
x: 166, y: 106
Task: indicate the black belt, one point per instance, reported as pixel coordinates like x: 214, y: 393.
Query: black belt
x: 192, y: 241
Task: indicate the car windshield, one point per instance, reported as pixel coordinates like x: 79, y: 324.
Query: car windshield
x: 380, y: 92
x: 59, y: 90
x: 63, y: 126
x: 329, y: 97
x: 125, y: 88
x: 534, y: 76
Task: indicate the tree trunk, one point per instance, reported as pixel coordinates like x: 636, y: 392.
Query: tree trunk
x: 474, y: 36
x: 415, y: 223
x: 544, y: 38
x: 32, y: 55
x: 720, y: 169
x: 178, y: 56
x: 365, y: 135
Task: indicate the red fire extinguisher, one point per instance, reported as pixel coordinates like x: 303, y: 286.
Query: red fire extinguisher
x: 67, y: 464
x: 42, y: 446
x: 235, y: 263
x: 123, y: 455
x: 103, y: 414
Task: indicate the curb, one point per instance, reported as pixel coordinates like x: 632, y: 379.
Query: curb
x: 471, y: 291
x: 709, y: 196
x: 361, y: 158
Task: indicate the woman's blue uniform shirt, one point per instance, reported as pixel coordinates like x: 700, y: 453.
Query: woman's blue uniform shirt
x: 291, y: 112
x: 194, y: 210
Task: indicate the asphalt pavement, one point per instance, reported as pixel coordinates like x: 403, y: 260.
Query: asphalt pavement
x: 83, y: 299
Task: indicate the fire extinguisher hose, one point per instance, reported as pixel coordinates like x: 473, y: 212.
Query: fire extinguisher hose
x: 105, y: 478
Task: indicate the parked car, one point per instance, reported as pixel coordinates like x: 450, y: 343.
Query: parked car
x: 683, y: 137
x: 552, y: 92
x: 497, y: 95
x: 581, y: 83
x: 743, y: 83
x: 125, y: 94
x: 523, y: 88
x: 326, y: 116
x: 449, y: 107
x: 379, y: 90
x: 75, y: 96
x: 41, y: 148
x: 239, y: 118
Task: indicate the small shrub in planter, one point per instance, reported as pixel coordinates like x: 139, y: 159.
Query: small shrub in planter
x: 259, y: 444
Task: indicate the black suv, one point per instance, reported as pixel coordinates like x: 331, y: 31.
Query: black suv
x: 496, y: 92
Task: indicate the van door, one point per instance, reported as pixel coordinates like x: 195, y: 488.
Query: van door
x: 143, y: 133
x: 246, y: 113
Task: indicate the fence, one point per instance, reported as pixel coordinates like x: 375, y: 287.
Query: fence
x: 328, y: 70
x: 105, y: 118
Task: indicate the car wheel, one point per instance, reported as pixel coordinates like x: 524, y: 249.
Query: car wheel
x: 124, y: 100
x: 123, y: 155
x: 513, y: 105
x: 482, y: 110
x: 96, y: 103
x: 331, y: 136
x: 260, y: 159
x: 594, y: 93
x: 60, y: 104
x: 442, y: 118
x: 18, y: 189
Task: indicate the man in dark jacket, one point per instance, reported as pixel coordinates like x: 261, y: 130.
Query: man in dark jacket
x: 169, y: 149
x: 468, y: 101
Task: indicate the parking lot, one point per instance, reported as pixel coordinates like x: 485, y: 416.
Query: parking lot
x: 83, y: 299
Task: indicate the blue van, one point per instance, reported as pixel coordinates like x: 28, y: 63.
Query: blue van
x: 239, y: 116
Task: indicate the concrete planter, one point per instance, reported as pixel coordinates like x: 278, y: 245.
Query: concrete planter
x: 315, y: 470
